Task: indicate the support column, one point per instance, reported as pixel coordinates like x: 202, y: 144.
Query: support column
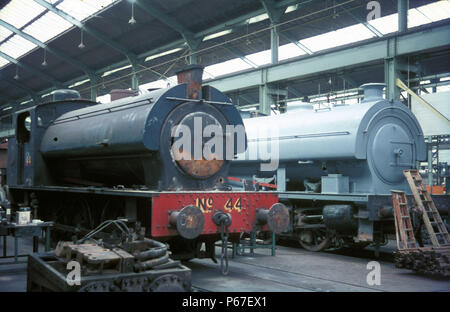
x: 402, y: 8
x: 392, y: 71
x: 274, y: 44
x: 434, y: 88
x: 193, y: 45
x: 430, y: 161
x: 94, y: 81
x: 135, y: 81
x: 264, y: 100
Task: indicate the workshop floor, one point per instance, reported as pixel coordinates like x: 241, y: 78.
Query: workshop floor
x: 292, y: 270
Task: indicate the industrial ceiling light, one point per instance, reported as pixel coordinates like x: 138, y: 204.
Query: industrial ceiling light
x: 17, y: 73
x: 132, y: 21
x: 81, y: 45
x: 44, y: 63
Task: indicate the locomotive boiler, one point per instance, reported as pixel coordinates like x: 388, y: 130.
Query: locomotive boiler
x: 336, y: 166
x: 79, y: 163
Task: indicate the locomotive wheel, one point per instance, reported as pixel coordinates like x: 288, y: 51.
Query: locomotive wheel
x: 168, y: 283
x: 359, y: 245
x: 314, y: 239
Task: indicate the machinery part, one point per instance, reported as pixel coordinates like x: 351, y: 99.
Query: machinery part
x: 206, y: 165
x: 189, y: 221
x: 314, y: 239
x: 159, y: 250
x: 47, y: 272
x: 146, y: 265
x: 168, y: 283
x: 340, y: 218
x: 223, y: 220
x: 219, y: 217
x: 98, y: 286
x: 277, y: 217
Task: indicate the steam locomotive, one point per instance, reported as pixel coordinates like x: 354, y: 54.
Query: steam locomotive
x: 78, y: 163
x: 336, y: 166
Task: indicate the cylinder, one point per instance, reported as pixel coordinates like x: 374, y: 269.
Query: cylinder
x: 340, y: 218
x: 373, y: 91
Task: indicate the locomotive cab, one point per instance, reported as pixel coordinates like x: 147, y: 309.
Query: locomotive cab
x: 26, y: 165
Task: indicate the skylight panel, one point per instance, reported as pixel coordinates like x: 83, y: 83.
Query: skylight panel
x: 3, y: 62
x: 112, y: 71
x: 20, y: 12
x: 258, y: 18
x: 207, y: 75
x: 416, y: 18
x: 4, y: 33
x: 83, y: 9
x: 227, y: 67
x: 217, y: 34
x: 352, y: 34
x: 17, y: 46
x: 289, y: 50
x: 436, y: 11
x: 151, y: 57
x: 386, y: 24
x: 260, y: 58
x: 47, y: 27
x: 337, y: 38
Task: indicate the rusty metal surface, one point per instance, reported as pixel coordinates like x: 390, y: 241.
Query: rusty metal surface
x: 192, y: 77
x: 201, y: 168
x: 46, y: 272
x: 242, y: 207
x: 189, y: 221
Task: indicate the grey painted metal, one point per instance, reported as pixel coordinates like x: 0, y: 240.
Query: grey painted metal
x: 275, y: 13
x: 166, y: 19
x: 236, y: 22
x: 297, y: 43
x: 392, y: 64
x: 21, y: 86
x: 370, y: 27
x: 56, y: 52
x: 84, y: 27
x: 274, y: 44
x: 430, y: 162
x: 350, y: 56
x: 31, y: 69
x: 371, y: 143
x: 402, y: 7
x: 318, y: 196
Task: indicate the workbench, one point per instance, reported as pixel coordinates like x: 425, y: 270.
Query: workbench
x: 26, y: 230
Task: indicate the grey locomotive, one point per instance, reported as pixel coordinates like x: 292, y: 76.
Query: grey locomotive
x: 336, y: 166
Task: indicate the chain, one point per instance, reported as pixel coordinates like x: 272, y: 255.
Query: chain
x: 224, y: 255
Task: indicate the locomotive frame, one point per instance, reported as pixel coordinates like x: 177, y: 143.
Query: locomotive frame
x: 65, y: 151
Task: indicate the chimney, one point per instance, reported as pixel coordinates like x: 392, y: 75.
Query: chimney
x: 373, y: 91
x: 117, y: 94
x: 192, y: 77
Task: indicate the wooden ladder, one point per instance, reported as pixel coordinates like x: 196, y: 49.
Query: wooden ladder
x: 403, y: 226
x: 431, y: 217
